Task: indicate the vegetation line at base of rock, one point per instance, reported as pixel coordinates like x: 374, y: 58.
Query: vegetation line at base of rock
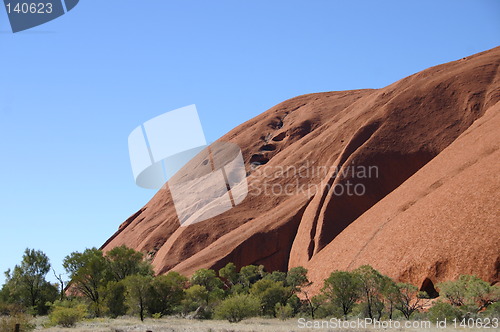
x: 121, y: 282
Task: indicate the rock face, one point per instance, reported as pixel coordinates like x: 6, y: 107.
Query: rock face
x: 404, y: 178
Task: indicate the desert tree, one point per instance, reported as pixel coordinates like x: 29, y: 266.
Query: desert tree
x: 229, y: 274
x: 114, y: 295
x: 59, y: 277
x: 124, y: 262
x: 277, y: 276
x: 410, y: 299
x: 391, y: 295
x: 27, y: 284
x: 250, y: 274
x: 89, y: 275
x: 196, y: 299
x: 207, y: 278
x: 237, y: 307
x: 166, y: 293
x: 469, y: 291
x: 342, y: 288
x: 314, y: 302
x: 371, y: 285
x: 270, y: 293
x: 296, y: 278
x: 137, y: 291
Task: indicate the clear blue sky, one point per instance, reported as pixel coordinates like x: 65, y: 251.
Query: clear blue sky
x: 73, y: 89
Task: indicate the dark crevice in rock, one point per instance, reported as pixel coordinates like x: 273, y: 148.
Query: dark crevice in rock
x: 428, y: 287
x: 281, y: 136
x: 268, y: 147
x: 258, y: 159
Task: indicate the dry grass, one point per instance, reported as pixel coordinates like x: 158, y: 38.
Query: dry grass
x: 185, y: 325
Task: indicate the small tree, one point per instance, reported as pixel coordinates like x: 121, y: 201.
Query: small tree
x: 124, y: 262
x: 137, y: 291
x: 195, y: 299
x: 409, y: 299
x: 27, y: 285
x: 296, y: 278
x: 270, y: 293
x: 230, y: 274
x: 207, y: 278
x: 391, y: 295
x: 471, y: 291
x: 283, y: 312
x: 62, y: 293
x: 343, y: 289
x: 480, y: 294
x: 277, y: 276
x: 442, y: 310
x: 250, y: 274
x: 89, y: 275
x: 166, y: 293
x: 115, y: 299
x: 313, y: 303
x: 371, y: 286
x: 454, y: 291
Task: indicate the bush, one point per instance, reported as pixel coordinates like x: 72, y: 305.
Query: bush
x: 295, y: 303
x: 469, y: 291
x: 269, y: 294
x: 166, y: 293
x: 493, y: 310
x: 362, y: 309
x: 329, y: 309
x: 409, y: 299
x: 8, y: 323
x: 441, y: 311
x: 283, y: 312
x: 11, y: 309
x: 342, y: 289
x: 115, y: 299
x: 195, y: 301
x: 238, y: 307
x: 67, y: 313
x: 66, y: 317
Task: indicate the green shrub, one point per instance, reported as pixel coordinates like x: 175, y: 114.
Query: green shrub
x: 295, y: 303
x: 493, y: 310
x: 329, y: 309
x: 114, y: 301
x: 442, y: 310
x: 469, y: 290
x: 158, y: 315
x: 10, y: 309
x: 195, y: 302
x: 269, y: 293
x: 67, y: 313
x: 342, y: 290
x: 362, y: 309
x: 166, y: 293
x: 238, y: 307
x: 283, y: 312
